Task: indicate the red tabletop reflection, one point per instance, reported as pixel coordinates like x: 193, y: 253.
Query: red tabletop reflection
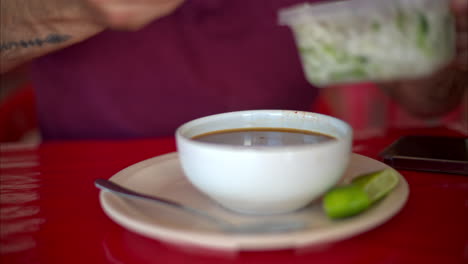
x: 50, y: 212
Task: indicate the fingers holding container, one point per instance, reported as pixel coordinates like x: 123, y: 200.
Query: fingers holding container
x: 131, y: 14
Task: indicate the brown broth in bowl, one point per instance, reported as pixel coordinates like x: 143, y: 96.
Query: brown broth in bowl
x: 263, y: 137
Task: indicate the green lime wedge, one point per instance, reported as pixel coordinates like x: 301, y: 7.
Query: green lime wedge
x: 377, y: 184
x: 360, y: 194
x: 345, y: 201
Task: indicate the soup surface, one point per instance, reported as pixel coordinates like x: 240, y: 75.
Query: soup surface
x: 263, y: 137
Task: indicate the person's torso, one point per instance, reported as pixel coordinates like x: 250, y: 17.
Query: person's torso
x: 210, y: 56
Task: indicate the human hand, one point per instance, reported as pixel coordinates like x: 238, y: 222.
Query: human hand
x: 131, y: 14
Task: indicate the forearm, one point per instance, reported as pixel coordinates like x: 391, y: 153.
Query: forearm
x: 430, y: 97
x: 29, y: 29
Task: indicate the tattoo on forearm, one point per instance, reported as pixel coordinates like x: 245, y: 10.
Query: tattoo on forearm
x: 50, y: 39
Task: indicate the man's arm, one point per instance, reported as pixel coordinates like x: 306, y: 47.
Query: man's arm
x: 32, y: 28
x: 433, y: 96
x: 29, y: 29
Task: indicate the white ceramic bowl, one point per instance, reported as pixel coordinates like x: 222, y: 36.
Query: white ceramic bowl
x: 267, y: 179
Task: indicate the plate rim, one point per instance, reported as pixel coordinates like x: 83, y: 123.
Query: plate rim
x: 223, y: 241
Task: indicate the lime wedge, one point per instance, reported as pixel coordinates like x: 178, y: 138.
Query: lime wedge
x: 345, y: 201
x: 360, y: 194
x: 377, y: 184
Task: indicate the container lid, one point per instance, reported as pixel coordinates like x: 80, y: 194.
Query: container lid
x: 299, y: 13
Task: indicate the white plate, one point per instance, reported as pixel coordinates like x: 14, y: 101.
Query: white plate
x: 162, y: 176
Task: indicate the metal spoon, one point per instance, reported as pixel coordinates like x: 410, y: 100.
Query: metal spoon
x: 255, y: 227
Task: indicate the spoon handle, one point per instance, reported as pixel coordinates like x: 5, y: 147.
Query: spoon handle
x: 122, y: 191
x: 259, y: 227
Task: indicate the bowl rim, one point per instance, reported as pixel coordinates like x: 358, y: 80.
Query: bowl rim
x: 345, y: 128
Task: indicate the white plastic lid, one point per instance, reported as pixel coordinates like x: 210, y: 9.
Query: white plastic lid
x: 299, y: 13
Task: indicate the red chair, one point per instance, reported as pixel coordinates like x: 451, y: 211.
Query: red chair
x: 18, y: 114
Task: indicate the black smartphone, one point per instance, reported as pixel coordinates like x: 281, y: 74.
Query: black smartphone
x: 428, y: 153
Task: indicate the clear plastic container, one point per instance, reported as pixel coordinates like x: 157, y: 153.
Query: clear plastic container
x: 371, y: 40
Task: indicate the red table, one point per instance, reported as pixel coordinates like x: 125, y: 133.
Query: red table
x: 50, y: 212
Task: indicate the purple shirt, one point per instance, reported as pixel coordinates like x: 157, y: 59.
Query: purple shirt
x: 209, y: 56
